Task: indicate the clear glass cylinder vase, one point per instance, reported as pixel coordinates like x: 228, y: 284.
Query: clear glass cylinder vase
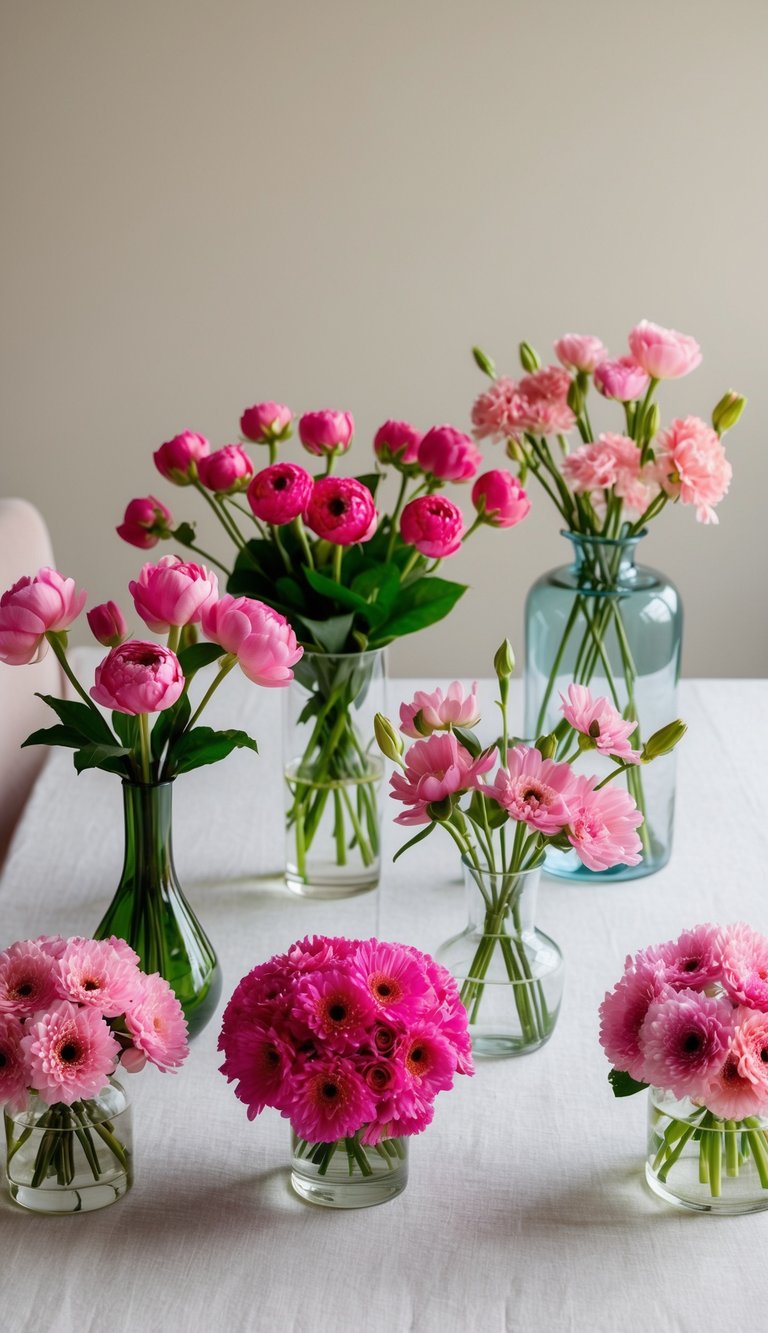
x: 606, y: 622
x: 348, y: 1173
x: 149, y: 909
x: 70, y: 1159
x: 510, y: 974
x: 333, y: 774
x: 702, y: 1163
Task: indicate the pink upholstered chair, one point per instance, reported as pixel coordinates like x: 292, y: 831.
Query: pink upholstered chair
x: 25, y: 547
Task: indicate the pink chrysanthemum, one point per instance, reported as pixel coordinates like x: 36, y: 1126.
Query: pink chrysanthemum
x: 438, y: 711
x: 337, y: 1006
x: 94, y: 973
x: 533, y: 789
x: 70, y: 1053
x: 694, y: 959
x: 745, y: 966
x: 601, y: 825
x: 434, y: 769
x: 750, y: 1046
x: 29, y: 978
x: 623, y: 1013
x: 598, y: 719
x: 13, y: 1071
x: 683, y: 1041
x: 329, y: 1100
x: 157, y: 1024
x: 731, y: 1092
x: 260, y: 1062
x: 394, y: 979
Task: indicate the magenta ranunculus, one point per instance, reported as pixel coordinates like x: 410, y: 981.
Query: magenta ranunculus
x: 505, y: 502
x: 138, y: 677
x: 172, y: 592
x: 448, y: 454
x: 266, y: 423
x: 177, y: 459
x: 326, y: 432
x: 341, y: 510
x: 32, y: 608
x: 397, y: 442
x: 580, y: 351
x: 226, y: 471
x: 146, y: 521
x: 433, y: 524
x: 280, y: 493
x: 621, y: 378
x: 107, y: 624
x: 260, y: 638
x: 693, y: 467
x: 663, y: 354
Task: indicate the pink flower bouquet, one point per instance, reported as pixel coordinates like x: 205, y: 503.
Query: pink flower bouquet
x: 351, y: 1040
x: 72, y: 1012
x: 689, y: 1019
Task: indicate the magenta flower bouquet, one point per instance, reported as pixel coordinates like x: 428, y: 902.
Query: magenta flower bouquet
x: 351, y: 1040
x: 71, y: 1013
x: 689, y: 1020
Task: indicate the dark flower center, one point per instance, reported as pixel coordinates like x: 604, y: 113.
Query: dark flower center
x: 330, y: 1091
x: 3, y: 1060
x: 764, y: 1055
x: 691, y: 964
x: 384, y: 989
x: 337, y: 1012
x: 594, y: 729
x: 279, y: 483
x: 26, y: 988
x: 69, y: 1052
x: 530, y: 795
x: 147, y: 658
x: 337, y: 507
x: 91, y: 985
x: 272, y: 1058
x: 692, y: 1042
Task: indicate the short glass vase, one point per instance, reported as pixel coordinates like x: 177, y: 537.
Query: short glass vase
x: 70, y: 1159
x: 702, y: 1163
x: 348, y: 1173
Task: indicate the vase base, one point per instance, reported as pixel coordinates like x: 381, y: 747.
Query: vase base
x: 330, y: 883
x: 566, y: 865
x: 350, y: 1194
x: 695, y: 1200
x: 490, y: 1046
x: 56, y: 1200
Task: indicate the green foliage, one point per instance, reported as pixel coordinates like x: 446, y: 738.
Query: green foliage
x: 623, y: 1084
x: 203, y: 745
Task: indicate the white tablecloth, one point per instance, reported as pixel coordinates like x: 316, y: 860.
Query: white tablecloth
x: 525, y: 1208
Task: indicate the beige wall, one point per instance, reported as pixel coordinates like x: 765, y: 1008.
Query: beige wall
x: 326, y: 203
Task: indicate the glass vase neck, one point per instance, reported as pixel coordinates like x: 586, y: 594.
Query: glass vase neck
x: 502, y: 902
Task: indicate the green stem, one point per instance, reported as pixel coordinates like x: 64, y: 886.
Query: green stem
x: 225, y: 666
x: 54, y: 640
x: 146, y: 767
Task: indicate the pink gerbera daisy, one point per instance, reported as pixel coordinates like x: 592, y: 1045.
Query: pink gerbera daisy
x: 260, y: 1061
x: 329, y: 1100
x: 157, y: 1024
x: 13, y: 1071
x: 337, y: 1006
x: 70, y: 1052
x: 683, y: 1040
x: 429, y: 1062
x: 533, y: 789
x: 731, y: 1092
x: 396, y: 982
x: 29, y: 978
x: 623, y: 1013
x: 94, y: 973
x: 694, y: 959
x: 745, y: 966
x: 601, y: 825
x: 750, y: 1046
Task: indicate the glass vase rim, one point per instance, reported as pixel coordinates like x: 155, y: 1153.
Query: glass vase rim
x: 664, y: 1099
x: 342, y: 657
x: 132, y: 784
x: 484, y: 869
x: 610, y: 543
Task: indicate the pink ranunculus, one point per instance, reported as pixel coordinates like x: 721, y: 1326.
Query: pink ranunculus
x: 684, y: 1039
x: 146, y: 521
x: 580, y: 351
x: 280, y: 493
x: 438, y: 711
x: 32, y: 608
x: 533, y: 789
x: 433, y: 524
x: 177, y: 459
x: 623, y: 1013
x: 448, y: 454
x: 397, y: 442
x: 156, y: 1023
x: 70, y: 1052
x: 266, y: 423
x: 495, y: 413
x: 621, y: 378
x: 505, y: 501
x: 662, y: 353
x: 326, y: 432
x: 138, y: 677
x: 601, y: 825
x: 172, y: 592
x: 434, y: 769
x: 107, y: 624
x: 341, y: 510
x: 692, y: 465
x: 260, y: 638
x: 601, y: 722
x: 226, y: 471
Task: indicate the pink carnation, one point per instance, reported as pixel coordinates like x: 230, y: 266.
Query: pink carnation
x: 397, y: 442
x: 693, y: 467
x: 662, y: 353
x: 591, y: 467
x: 541, y: 405
x: 438, y: 711
x: 70, y: 1052
x: 435, y: 769
x: 94, y: 973
x: 622, y: 379
x: 504, y: 501
x: 177, y: 459
x: 13, y: 1071
x: 448, y: 454
x: 623, y: 1013
x: 29, y: 978
x: 341, y: 510
x: 146, y: 521
x: 601, y: 722
x: 280, y: 493
x: 32, y: 608
x: 226, y: 471
x: 580, y: 351
x: 612, y: 461
x: 138, y: 677
x: 260, y: 638
x: 266, y: 423
x: 172, y: 592
x: 533, y: 790
x: 156, y: 1023
x: 495, y: 413
x: 326, y: 432
x: 601, y: 825
x: 433, y: 525
x: 329, y: 1100
x: 684, y: 1040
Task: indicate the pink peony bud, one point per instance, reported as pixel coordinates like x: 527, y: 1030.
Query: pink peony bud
x: 278, y: 494
x: 172, y: 592
x: 226, y: 470
x: 506, y: 503
x: 449, y: 455
x: 146, y: 521
x: 177, y: 459
x: 33, y: 607
x: 663, y: 353
x: 138, y: 677
x: 580, y: 351
x: 433, y: 524
x: 397, y: 442
x: 341, y: 510
x: 107, y: 624
x: 326, y: 432
x: 260, y: 638
x: 622, y: 379
x: 266, y: 423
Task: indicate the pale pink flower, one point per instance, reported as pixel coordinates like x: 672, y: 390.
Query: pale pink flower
x: 433, y: 525
x: 260, y: 1062
x: 260, y: 638
x: 280, y: 493
x: 53, y: 945
x: 623, y: 1013
x: 32, y: 608
x: 600, y: 721
x: 107, y: 624
x: 541, y: 404
x: 580, y: 351
x: 745, y: 966
x: 591, y: 467
x: 732, y: 1093
x: 397, y: 442
x: 693, y: 467
x: 13, y: 1070
x: 504, y: 500
x: 684, y: 1040
x: 622, y: 379
x: 146, y: 521
x: 396, y: 981
x: 266, y: 423
x: 172, y: 592
x: 177, y: 459
x: 750, y: 1046
x: 226, y: 471
x: 601, y: 825
x: 156, y: 1023
x: 94, y: 973
x: 70, y: 1052
x: 662, y: 353
x: 326, y: 432
x: 695, y: 959
x: 132, y: 1060
x: 534, y: 790
x: 329, y: 1100
x: 337, y: 1006
x: 29, y: 978
x: 121, y: 947
x: 495, y: 413
x: 438, y: 711
x: 341, y: 510
x: 435, y: 769
x: 636, y: 485
x: 138, y: 677
x: 448, y: 454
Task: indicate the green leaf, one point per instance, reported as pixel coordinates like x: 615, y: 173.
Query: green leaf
x: 88, y: 721
x: 197, y: 656
x: 126, y: 728
x: 469, y: 740
x: 330, y: 634
x: 380, y: 584
x: 483, y: 809
x: 170, y: 724
x: 203, y: 745
x: 424, y: 833
x: 336, y: 592
x: 184, y: 534
x: 623, y: 1084
x: 101, y: 756
x: 371, y: 480
x: 418, y: 605
x: 57, y: 735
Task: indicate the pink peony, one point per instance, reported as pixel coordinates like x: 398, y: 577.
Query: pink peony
x: 280, y: 493
x: 107, y: 624
x: 226, y: 471
x: 684, y: 1040
x: 32, y: 608
x: 260, y: 638
x: 172, y: 592
x: 330, y: 1100
x: 601, y: 825
x: 94, y: 973
x: 623, y: 1013
x: 663, y: 354
x: 156, y: 1023
x: 337, y: 1006
x: 504, y: 500
x: 177, y: 459
x: 695, y: 959
x: 146, y: 521
x: 326, y: 432
x: 580, y: 351
x: 70, y: 1052
x: 533, y: 790
x: 732, y: 1092
x: 138, y: 677
x: 341, y: 510
x: 13, y: 1071
x: 266, y: 423
x: 495, y: 413
x: 435, y: 769
x: 622, y: 379
x: 432, y: 524
x: 693, y: 467
x: 449, y: 455
x: 438, y: 711
x: 397, y: 442
x: 750, y: 1046
x: 29, y: 978
x: 601, y: 722
x: 745, y: 966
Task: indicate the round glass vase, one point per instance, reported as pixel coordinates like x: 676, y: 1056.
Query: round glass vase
x: 70, y: 1159
x: 333, y: 774
x: 616, y: 626
x: 510, y: 974
x: 348, y: 1173
x: 150, y: 911
x: 702, y: 1163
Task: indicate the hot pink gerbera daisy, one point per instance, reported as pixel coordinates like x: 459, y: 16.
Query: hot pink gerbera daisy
x: 261, y: 1063
x: 316, y: 951
x: 601, y: 825
x: 745, y: 966
x: 94, y: 973
x: 533, y: 789
x: 29, y: 978
x: 429, y: 1062
x: 623, y: 1013
x: 731, y: 1092
x: 598, y: 719
x: 337, y: 1006
x: 329, y: 1100
x: 157, y: 1024
x: 694, y: 959
x: 70, y: 1053
x: 13, y: 1071
x: 684, y: 1039
x: 397, y: 984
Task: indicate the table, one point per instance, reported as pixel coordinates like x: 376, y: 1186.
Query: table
x: 525, y: 1208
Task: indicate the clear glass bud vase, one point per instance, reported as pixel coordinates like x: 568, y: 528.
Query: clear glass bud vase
x: 616, y: 626
x: 348, y: 1173
x: 333, y: 774
x: 702, y: 1163
x: 150, y: 911
x: 509, y: 973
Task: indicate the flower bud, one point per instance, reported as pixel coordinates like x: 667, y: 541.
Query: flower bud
x: 652, y: 422
x: 440, y: 811
x: 727, y: 412
x: 504, y: 661
x: 546, y: 746
x: 529, y: 359
x: 388, y: 740
x: 484, y: 362
x: 663, y: 741
x: 576, y: 397
x: 107, y: 624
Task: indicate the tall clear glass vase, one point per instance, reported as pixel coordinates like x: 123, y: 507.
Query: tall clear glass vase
x: 616, y: 626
